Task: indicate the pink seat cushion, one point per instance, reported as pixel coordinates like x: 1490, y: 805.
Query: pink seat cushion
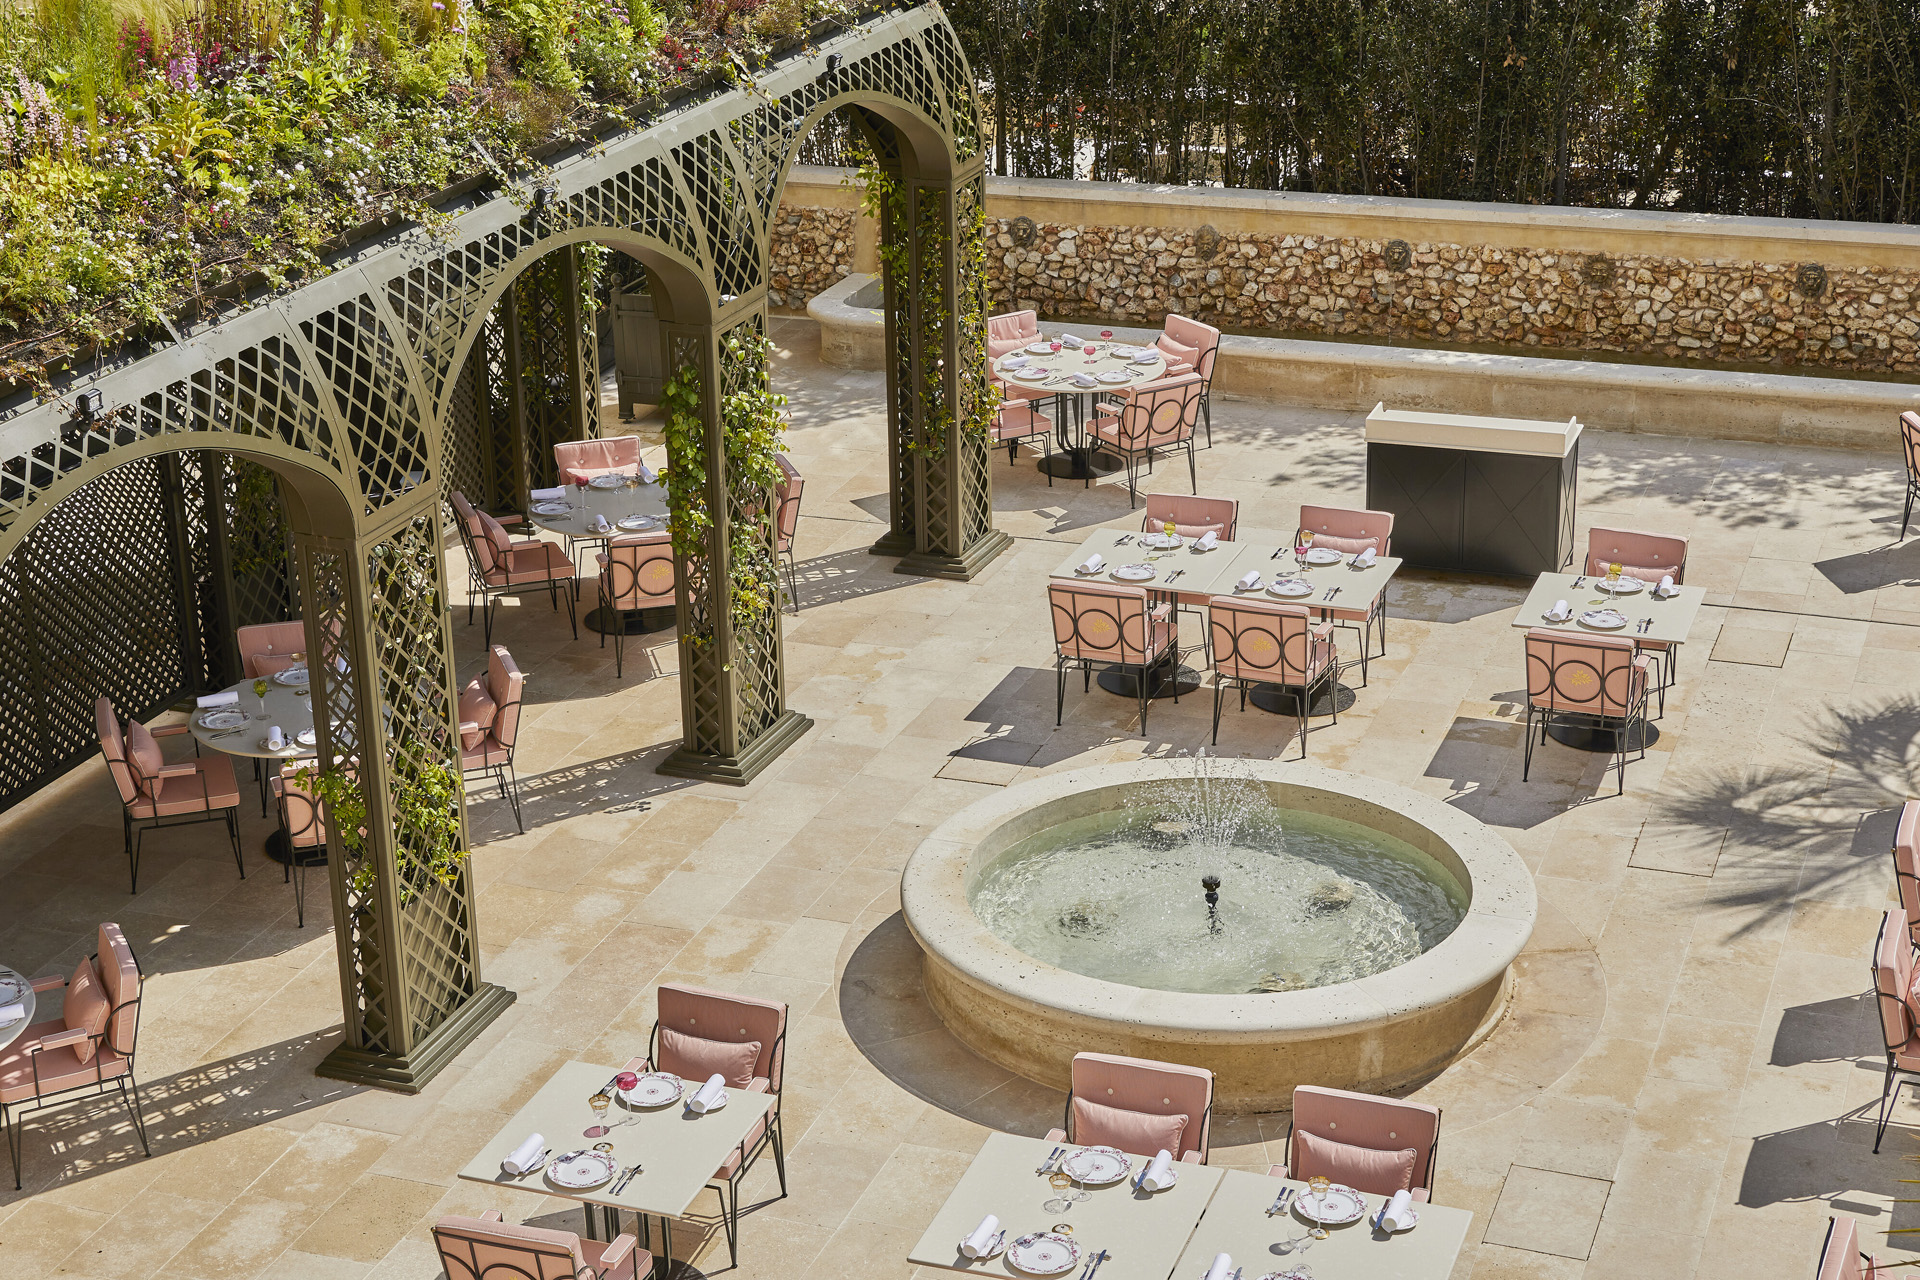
x: 145, y: 753
x: 210, y: 786
x: 86, y: 1008
x: 477, y: 707
x: 696, y: 1058
x: 1644, y: 572
x: 1379, y: 1173
x: 58, y: 1068
x: 1135, y: 1132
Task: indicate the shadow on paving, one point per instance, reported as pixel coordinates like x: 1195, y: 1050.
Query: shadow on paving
x: 1897, y: 565
x: 611, y: 784
x: 847, y: 575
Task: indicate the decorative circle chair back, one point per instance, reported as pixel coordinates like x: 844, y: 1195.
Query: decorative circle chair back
x: 637, y: 572
x: 1646, y: 556
x: 1160, y: 413
x: 477, y: 1249
x: 300, y: 809
x: 1008, y: 333
x: 1098, y: 622
x: 1255, y: 640
x: 1591, y: 674
x: 1349, y: 530
x: 1192, y: 516
x: 1910, y: 442
x: 787, y: 516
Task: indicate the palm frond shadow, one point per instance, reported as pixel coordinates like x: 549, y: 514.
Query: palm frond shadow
x: 1736, y: 489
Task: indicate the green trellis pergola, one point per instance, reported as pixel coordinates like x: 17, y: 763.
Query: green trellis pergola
x: 360, y: 399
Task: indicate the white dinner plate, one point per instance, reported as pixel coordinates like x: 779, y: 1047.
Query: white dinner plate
x: 654, y: 1089
x: 1134, y: 572
x: 306, y: 737
x: 292, y: 676
x: 1089, y: 573
x: 1625, y: 587
x: 1322, y: 555
x: 1602, y: 620
x: 1288, y: 1274
x: 1030, y: 375
x: 1381, y: 1226
x: 1097, y: 1166
x: 222, y: 719
x: 551, y: 508
x: 1044, y: 1254
x: 1161, y: 541
x: 588, y: 1169
x: 635, y: 523
x: 1291, y: 587
x: 12, y: 987
x: 607, y: 482
x: 1336, y: 1205
x: 267, y: 745
x: 1114, y: 377
x: 1040, y: 348
x: 998, y: 1247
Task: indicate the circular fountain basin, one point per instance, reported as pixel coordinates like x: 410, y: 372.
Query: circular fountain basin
x: 1400, y: 1021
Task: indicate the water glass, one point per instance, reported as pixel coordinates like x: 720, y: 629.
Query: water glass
x: 599, y: 1102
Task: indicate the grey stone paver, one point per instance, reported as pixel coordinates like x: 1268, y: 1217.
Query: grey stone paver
x: 1689, y: 1029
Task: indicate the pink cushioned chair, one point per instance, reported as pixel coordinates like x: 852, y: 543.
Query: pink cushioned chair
x: 304, y: 823
x: 636, y: 573
x: 268, y: 647
x: 1841, y: 1257
x: 1893, y: 972
x: 1148, y: 418
x: 1906, y: 864
x: 578, y: 461
x: 1590, y: 675
x: 1361, y: 1120
x: 1350, y: 531
x: 487, y: 1248
x: 1648, y: 557
x: 86, y: 1051
x: 1143, y: 1088
x: 1192, y: 516
x: 1018, y: 420
x: 1910, y: 454
x: 1097, y: 622
x: 1191, y: 347
x: 504, y: 566
x: 786, y: 521
x: 696, y: 1014
x: 156, y: 794
x: 1006, y: 334
x: 1257, y: 642
x: 492, y: 755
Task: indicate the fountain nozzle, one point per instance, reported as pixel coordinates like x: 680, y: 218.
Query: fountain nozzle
x: 1211, y: 883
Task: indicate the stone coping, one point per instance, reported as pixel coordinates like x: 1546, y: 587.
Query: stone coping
x: 935, y: 889
x: 851, y: 337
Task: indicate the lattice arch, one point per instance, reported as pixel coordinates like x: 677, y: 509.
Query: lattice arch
x: 357, y: 390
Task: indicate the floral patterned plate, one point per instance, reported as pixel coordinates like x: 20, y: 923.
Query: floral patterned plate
x: 588, y: 1169
x: 1097, y: 1166
x: 1043, y: 1254
x: 654, y: 1089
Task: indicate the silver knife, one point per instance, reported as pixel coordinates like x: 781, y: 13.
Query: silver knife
x: 1047, y: 1164
x: 1097, y: 1263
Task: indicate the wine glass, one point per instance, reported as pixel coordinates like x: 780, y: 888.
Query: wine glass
x: 1318, y: 1185
x: 1088, y: 351
x: 1611, y: 583
x: 599, y: 1103
x: 1054, y: 346
x: 260, y: 691
x: 1106, y: 335
x: 1302, y: 543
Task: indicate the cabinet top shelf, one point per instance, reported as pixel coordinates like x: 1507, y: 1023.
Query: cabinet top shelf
x: 1431, y: 430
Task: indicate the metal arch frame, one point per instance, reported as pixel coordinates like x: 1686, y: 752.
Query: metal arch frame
x: 345, y: 386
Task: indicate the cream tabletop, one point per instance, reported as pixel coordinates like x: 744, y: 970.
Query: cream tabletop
x: 1054, y: 371
x: 286, y: 706
x: 1143, y: 1232
x: 1356, y: 588
x: 677, y: 1150
x: 1236, y: 1224
x: 16, y: 989
x: 1670, y: 620
x: 1200, y: 572
x: 584, y: 503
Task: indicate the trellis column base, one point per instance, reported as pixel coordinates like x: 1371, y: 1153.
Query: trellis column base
x: 960, y: 568
x: 738, y: 771
x: 411, y: 1072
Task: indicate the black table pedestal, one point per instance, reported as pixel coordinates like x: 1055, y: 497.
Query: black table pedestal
x: 636, y: 622
x: 1080, y: 464
x: 1590, y: 733
x: 1284, y: 701
x: 1123, y: 680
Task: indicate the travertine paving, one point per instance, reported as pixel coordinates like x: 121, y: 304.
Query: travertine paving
x: 1685, y: 1084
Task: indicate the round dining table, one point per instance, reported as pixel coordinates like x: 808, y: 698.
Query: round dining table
x: 16, y: 988
x: 1113, y: 367
x: 636, y: 507
x: 289, y: 704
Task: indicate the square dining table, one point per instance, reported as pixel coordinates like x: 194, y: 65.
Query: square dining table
x: 1142, y: 1232
x: 1668, y: 621
x: 678, y: 1150
x: 1236, y: 1224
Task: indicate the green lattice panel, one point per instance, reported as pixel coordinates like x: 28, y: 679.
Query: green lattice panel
x: 358, y: 359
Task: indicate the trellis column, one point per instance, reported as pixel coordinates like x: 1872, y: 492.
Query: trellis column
x: 941, y: 512
x: 381, y: 654
x: 553, y: 363
x: 734, y: 717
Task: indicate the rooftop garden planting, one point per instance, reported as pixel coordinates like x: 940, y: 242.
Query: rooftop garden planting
x: 152, y: 153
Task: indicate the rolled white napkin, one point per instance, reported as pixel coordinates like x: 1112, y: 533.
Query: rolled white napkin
x: 556, y: 494
x: 710, y: 1096
x: 1249, y: 580
x: 225, y: 698
x: 1366, y: 558
x: 1093, y: 563
x: 1221, y: 1268
x: 646, y: 474
x: 1083, y: 380
x: 1561, y: 611
x: 1398, y: 1215
x: 1068, y: 340
x: 1159, y: 1175
x: 525, y: 1156
x: 600, y: 524
x: 982, y: 1238
x: 1666, y: 585
x: 11, y: 1013
x: 1208, y: 541
x: 276, y: 737
x: 1015, y: 361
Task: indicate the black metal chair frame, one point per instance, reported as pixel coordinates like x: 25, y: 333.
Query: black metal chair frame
x: 1635, y: 717
x: 491, y: 594
x: 1910, y: 453
x: 727, y: 1190
x: 133, y: 830
x: 1302, y: 692
x: 1896, y: 1075
x: 1044, y: 435
x: 124, y: 1083
x: 779, y: 512
x: 299, y: 858
x: 502, y: 773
